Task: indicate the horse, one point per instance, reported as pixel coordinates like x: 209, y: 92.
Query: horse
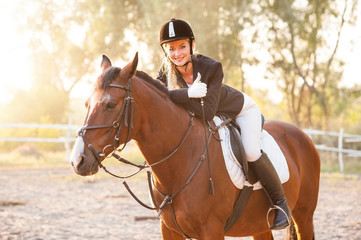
x: 128, y: 104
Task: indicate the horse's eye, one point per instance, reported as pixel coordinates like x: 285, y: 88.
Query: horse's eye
x: 110, y: 105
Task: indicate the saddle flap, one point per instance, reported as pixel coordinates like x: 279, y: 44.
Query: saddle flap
x: 238, y: 149
x: 236, y: 144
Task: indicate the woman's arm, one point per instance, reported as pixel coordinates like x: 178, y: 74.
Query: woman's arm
x: 213, y: 77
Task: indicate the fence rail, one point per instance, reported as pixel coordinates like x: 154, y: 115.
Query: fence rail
x: 342, y: 137
x: 69, y: 138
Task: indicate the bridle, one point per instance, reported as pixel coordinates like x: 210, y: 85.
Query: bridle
x: 124, y: 118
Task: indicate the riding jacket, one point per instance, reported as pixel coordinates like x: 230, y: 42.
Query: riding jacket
x: 221, y: 99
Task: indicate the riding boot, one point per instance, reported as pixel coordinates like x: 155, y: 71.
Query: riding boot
x: 267, y: 175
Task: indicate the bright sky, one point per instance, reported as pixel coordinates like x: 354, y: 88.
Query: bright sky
x: 15, y: 67
x: 13, y: 62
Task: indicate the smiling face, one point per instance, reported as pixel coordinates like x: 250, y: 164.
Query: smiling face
x: 178, y: 51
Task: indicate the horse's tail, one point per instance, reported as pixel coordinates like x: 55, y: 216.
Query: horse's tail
x: 292, y: 231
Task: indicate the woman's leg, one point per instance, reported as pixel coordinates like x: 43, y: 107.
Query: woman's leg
x: 250, y: 121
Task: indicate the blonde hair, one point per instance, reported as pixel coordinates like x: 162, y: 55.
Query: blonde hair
x: 169, y: 69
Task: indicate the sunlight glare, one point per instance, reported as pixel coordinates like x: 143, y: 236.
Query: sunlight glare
x: 14, y: 65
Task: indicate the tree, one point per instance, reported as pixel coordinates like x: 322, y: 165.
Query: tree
x: 66, y: 40
x: 304, y: 55
x: 59, y: 60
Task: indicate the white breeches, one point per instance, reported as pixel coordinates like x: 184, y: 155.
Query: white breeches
x: 250, y: 122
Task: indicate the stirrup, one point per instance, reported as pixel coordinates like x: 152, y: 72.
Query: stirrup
x: 275, y: 207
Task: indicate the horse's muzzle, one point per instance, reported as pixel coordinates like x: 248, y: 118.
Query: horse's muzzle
x: 82, y: 160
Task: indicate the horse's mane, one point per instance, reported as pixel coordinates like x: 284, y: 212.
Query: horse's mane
x: 155, y: 82
x: 113, y: 72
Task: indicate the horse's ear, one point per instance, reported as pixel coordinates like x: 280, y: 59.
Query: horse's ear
x: 134, y: 65
x: 106, y: 63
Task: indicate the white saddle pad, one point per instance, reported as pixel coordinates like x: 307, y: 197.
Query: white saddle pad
x: 268, y: 145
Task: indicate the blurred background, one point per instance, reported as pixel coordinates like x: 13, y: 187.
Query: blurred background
x: 298, y: 59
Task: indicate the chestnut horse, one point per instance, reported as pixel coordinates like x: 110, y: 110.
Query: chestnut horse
x: 128, y: 104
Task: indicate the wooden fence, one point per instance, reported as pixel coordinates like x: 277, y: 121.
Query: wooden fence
x: 70, y: 129
x: 342, y: 137
x: 68, y: 139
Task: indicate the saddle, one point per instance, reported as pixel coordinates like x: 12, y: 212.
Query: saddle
x: 238, y: 149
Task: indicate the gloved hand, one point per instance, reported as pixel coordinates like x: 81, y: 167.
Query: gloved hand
x: 198, y: 89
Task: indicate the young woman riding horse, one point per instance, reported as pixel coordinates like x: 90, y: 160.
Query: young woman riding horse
x: 193, y: 79
x: 128, y: 104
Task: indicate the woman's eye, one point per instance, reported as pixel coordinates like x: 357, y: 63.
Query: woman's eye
x: 110, y: 105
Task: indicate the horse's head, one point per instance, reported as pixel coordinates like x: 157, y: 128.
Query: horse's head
x: 109, y: 118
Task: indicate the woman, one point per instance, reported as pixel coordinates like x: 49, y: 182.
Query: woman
x: 192, y: 77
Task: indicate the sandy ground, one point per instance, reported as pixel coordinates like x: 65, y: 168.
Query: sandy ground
x: 57, y: 204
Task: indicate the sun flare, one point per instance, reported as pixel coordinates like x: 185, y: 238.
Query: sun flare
x: 13, y: 61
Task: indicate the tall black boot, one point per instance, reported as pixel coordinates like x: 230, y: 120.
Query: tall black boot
x: 267, y: 175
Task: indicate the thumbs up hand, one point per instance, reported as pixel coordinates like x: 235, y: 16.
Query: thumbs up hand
x: 198, y: 88
x: 198, y: 79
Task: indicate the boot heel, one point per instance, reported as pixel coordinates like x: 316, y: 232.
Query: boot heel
x: 279, y: 224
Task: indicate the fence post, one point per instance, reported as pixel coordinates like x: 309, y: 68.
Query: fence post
x: 340, y: 147
x: 68, y: 140
x: 310, y: 134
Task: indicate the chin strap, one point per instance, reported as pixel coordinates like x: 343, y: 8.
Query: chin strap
x: 186, y: 64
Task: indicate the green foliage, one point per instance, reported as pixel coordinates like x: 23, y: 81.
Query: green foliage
x: 41, y: 102
x: 351, y: 116
x: 66, y: 41
x: 306, y: 59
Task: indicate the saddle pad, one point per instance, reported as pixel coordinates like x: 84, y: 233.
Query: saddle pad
x: 268, y: 145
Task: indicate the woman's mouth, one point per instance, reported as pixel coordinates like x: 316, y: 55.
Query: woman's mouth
x: 178, y: 60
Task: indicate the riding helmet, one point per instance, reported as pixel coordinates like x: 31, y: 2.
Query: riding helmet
x: 175, y: 29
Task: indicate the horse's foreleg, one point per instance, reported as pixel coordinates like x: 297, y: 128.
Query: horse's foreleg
x: 169, y: 234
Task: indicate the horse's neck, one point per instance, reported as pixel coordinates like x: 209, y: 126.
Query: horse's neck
x: 162, y: 126
x: 162, y: 131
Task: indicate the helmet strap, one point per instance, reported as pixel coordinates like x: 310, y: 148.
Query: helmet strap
x: 191, y: 45
x: 186, y: 64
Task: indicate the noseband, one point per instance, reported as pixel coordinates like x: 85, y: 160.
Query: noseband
x: 125, y: 117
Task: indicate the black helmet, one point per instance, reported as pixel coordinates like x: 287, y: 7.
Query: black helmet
x: 175, y: 29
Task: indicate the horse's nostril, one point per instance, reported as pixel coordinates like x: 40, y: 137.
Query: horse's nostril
x: 81, y: 161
